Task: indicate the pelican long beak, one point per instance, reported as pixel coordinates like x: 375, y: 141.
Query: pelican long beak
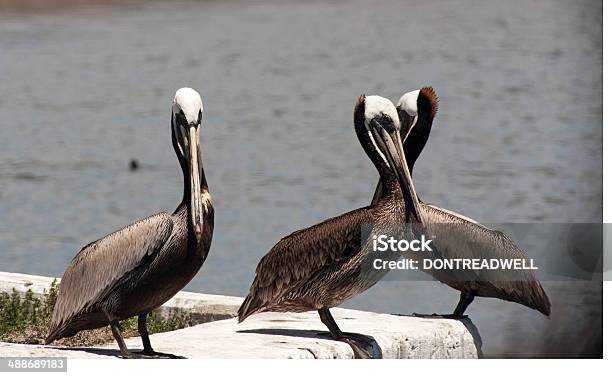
x: 407, y: 121
x: 197, y: 217
x: 389, y: 143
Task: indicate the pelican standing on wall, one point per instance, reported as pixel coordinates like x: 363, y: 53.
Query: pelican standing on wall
x: 136, y: 269
x: 320, y: 267
x: 458, y: 236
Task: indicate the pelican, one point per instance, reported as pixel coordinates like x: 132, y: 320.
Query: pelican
x: 136, y: 269
x: 464, y: 237
x: 322, y: 266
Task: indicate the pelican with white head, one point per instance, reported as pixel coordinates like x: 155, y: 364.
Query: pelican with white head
x: 379, y: 133
x: 407, y: 110
x: 187, y: 113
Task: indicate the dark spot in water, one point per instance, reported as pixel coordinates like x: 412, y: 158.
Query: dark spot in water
x: 134, y: 165
x: 26, y: 176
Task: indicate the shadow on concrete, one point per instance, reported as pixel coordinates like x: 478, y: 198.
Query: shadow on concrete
x: 112, y: 352
x: 473, y: 330
x: 93, y: 350
x: 367, y: 341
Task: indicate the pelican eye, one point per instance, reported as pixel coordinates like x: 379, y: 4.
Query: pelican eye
x: 386, y: 122
x: 180, y: 117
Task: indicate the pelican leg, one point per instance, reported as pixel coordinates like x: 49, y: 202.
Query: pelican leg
x: 147, y: 349
x: 327, y: 319
x: 464, y: 301
x: 144, y: 334
x: 125, y: 353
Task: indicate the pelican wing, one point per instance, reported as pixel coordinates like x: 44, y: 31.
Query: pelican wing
x: 302, y: 254
x: 100, y: 266
x: 460, y: 237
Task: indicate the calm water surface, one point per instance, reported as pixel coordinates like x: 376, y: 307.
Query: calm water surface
x: 517, y: 139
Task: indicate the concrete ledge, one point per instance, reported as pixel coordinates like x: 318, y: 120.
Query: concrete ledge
x: 202, y: 307
x: 270, y: 335
x: 280, y: 335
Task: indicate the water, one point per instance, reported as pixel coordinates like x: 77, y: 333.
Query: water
x: 517, y: 138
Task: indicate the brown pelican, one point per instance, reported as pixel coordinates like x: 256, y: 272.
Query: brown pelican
x: 136, y: 269
x: 321, y: 266
x: 465, y: 238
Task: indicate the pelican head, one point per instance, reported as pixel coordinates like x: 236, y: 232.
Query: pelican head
x: 186, y: 121
x: 378, y: 128
x: 420, y: 105
x: 407, y: 110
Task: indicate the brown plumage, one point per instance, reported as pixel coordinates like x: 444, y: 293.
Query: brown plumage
x: 464, y: 237
x: 298, y: 271
x: 100, y: 267
x: 430, y: 98
x: 322, y: 266
x: 136, y: 269
x: 461, y: 237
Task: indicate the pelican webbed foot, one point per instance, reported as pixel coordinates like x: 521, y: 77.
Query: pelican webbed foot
x: 146, y: 342
x: 134, y: 355
x: 359, y: 351
x: 153, y: 354
x: 464, y: 301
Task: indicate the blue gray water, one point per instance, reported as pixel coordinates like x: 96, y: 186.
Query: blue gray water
x: 517, y: 138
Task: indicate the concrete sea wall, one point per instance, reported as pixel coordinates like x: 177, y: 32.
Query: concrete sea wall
x: 270, y: 335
